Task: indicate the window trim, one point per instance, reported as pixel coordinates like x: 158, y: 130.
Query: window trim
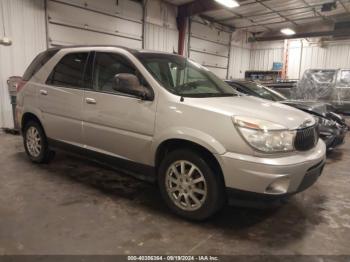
x: 83, y: 74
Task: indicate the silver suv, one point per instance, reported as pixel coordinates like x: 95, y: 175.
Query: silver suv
x: 170, y: 120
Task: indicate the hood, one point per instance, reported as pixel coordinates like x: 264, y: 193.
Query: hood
x: 255, y: 107
x: 317, y: 108
x: 310, y: 106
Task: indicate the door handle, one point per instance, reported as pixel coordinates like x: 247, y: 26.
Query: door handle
x: 91, y: 101
x: 43, y: 92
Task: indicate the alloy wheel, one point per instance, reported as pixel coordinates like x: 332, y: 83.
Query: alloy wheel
x: 33, y: 141
x: 186, y: 185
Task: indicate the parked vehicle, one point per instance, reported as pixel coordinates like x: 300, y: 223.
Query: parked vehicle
x: 326, y: 85
x: 332, y: 127
x: 284, y: 87
x: 169, y: 119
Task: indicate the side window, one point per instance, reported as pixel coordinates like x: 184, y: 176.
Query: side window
x: 107, y: 65
x: 69, y: 71
x: 38, y: 63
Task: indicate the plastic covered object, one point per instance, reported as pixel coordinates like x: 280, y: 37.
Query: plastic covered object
x: 329, y: 85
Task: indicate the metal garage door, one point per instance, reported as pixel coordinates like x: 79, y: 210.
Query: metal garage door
x: 114, y: 22
x: 209, y: 46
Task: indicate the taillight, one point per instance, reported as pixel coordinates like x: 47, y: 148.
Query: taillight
x: 20, y: 85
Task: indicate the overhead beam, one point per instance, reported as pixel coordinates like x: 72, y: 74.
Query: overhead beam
x: 335, y: 33
x: 273, y: 23
x: 252, y: 15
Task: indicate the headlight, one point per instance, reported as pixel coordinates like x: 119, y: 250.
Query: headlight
x: 264, y: 135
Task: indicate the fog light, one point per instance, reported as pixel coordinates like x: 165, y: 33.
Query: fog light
x: 279, y: 186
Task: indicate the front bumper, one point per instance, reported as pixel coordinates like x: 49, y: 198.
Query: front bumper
x: 273, y: 177
x: 333, y: 137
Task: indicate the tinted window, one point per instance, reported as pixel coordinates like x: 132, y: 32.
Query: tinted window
x: 38, y: 63
x: 69, y: 71
x: 107, y: 65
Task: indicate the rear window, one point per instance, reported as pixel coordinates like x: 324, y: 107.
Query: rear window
x: 38, y: 63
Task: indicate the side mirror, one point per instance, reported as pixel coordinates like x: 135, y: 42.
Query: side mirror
x: 130, y: 84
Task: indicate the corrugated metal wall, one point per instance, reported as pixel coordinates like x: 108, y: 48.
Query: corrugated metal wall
x: 25, y: 25
x: 304, y: 55
x: 263, y: 59
x: 239, y: 61
x: 263, y: 55
x: 161, y: 32
x: 239, y: 55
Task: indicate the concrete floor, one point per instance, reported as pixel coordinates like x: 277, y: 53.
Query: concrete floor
x: 74, y: 206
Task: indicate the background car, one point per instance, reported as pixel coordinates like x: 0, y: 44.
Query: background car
x: 332, y: 126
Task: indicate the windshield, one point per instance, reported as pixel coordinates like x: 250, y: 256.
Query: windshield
x: 183, y: 77
x: 263, y: 91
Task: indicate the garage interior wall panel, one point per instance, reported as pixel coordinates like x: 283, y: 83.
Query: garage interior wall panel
x: 161, y: 32
x: 209, y: 46
x: 302, y: 55
x: 239, y: 54
x: 239, y: 62
x: 332, y: 56
x: 95, y: 22
x: 25, y: 26
x: 263, y: 59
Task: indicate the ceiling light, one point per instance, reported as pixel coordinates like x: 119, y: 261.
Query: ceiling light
x: 287, y: 31
x: 228, y: 3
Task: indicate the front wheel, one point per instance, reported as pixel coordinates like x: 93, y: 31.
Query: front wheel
x: 189, y: 186
x: 35, y: 142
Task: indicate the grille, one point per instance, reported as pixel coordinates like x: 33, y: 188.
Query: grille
x: 306, y: 138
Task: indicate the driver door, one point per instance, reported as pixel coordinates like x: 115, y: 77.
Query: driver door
x: 116, y: 123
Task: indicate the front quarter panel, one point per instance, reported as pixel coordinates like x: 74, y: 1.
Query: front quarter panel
x: 184, y: 120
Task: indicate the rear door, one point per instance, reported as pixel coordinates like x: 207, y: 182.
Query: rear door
x: 61, y: 99
x: 116, y: 123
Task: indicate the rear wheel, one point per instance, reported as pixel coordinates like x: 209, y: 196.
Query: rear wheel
x: 35, y: 142
x: 189, y: 186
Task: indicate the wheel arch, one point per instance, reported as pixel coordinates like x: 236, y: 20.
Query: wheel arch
x: 27, y: 116
x: 180, y: 143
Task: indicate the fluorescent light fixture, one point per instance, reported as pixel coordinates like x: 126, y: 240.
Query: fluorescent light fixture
x: 287, y: 31
x: 228, y: 3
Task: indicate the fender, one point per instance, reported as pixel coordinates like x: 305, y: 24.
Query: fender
x: 190, y: 134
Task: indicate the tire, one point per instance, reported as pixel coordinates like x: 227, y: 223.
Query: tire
x: 37, y: 152
x: 180, y: 189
